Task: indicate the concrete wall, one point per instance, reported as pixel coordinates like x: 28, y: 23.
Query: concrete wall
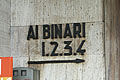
x: 38, y: 12
x: 5, y: 28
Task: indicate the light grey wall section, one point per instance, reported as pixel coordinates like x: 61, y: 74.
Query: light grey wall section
x: 38, y: 12
x: 5, y: 28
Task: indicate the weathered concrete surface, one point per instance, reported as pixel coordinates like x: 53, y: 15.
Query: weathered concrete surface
x: 38, y: 12
x: 20, y: 61
x: 30, y: 50
x: 5, y: 28
x: 94, y: 66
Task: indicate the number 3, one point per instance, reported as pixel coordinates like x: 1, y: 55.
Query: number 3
x: 68, y: 47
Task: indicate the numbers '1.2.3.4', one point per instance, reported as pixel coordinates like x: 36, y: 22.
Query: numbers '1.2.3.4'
x: 66, y: 47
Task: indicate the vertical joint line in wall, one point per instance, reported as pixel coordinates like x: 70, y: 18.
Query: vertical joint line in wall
x: 104, y: 1
x: 104, y: 20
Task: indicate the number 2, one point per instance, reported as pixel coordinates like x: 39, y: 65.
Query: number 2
x: 53, y: 52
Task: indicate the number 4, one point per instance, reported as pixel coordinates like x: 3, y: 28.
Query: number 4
x: 79, y: 50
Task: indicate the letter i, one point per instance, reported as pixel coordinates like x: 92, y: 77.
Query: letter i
x: 83, y: 27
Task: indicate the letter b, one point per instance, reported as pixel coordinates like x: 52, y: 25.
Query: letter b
x: 46, y: 31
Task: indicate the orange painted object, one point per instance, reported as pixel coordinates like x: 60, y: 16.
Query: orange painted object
x: 6, y: 67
